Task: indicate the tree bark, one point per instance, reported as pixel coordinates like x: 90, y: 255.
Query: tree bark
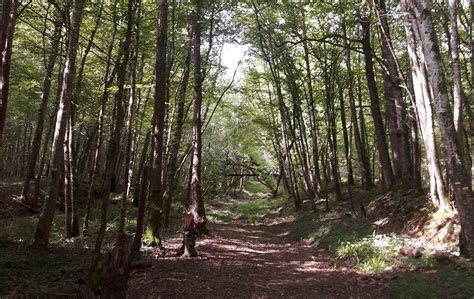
x: 382, y: 147
x: 113, y: 150
x: 178, y: 128
x: 363, y: 159
x: 395, y: 108
x: 197, y: 204
x: 455, y: 165
x: 156, y: 192
x: 9, y: 15
x: 43, y: 227
x: 458, y: 94
x: 47, y: 80
x: 423, y: 110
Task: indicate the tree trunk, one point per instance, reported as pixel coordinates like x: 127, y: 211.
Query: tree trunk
x: 350, y: 177
x: 156, y: 192
x: 423, y: 109
x: 9, y: 15
x: 312, y: 115
x: 382, y: 147
x: 113, y: 150
x: 395, y: 108
x: 108, y: 81
x: 197, y: 204
x: 455, y: 164
x: 458, y: 93
x: 471, y: 104
x: 178, y: 129
x: 36, y: 146
x: 43, y: 228
x: 363, y: 159
x: 137, y: 243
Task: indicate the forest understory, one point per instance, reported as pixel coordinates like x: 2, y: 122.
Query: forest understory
x: 258, y: 247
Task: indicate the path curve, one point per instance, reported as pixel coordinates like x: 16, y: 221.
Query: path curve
x: 251, y: 261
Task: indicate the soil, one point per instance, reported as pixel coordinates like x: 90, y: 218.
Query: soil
x: 252, y: 261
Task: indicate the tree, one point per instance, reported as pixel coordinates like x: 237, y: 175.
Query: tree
x: 43, y: 228
x: 8, y: 22
x: 387, y: 172
x: 156, y: 192
x: 455, y: 165
x: 36, y: 145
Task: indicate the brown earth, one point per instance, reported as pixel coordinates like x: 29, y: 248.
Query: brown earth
x: 252, y: 261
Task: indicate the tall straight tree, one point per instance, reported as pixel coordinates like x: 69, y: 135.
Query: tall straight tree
x: 113, y: 150
x: 178, y: 127
x: 394, y: 106
x: 8, y: 22
x: 387, y: 172
x: 43, y: 228
x: 47, y: 80
x: 458, y: 93
x: 197, y: 205
x: 363, y: 159
x: 455, y: 164
x: 159, y: 112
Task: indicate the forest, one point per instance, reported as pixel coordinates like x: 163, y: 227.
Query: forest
x: 209, y: 148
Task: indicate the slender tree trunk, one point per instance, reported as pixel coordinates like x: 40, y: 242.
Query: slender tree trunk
x: 312, y: 115
x: 382, y: 147
x: 141, y: 165
x: 197, y: 204
x: 458, y: 93
x: 113, y: 150
x: 156, y: 193
x: 332, y: 133
x: 70, y: 208
x: 43, y: 228
x: 137, y: 242
x: 178, y: 129
x: 108, y: 80
x: 128, y: 158
x: 350, y: 176
x: 363, y: 159
x: 395, y: 108
x: 9, y: 15
x: 36, y: 146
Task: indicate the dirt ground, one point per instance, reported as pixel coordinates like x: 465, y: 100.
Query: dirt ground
x: 251, y: 261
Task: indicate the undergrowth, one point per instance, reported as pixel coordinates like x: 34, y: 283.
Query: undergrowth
x: 59, y: 270
x: 355, y: 244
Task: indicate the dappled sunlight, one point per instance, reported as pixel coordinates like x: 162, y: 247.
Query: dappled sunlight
x: 258, y: 260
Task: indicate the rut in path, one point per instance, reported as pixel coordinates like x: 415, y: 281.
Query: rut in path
x: 242, y: 260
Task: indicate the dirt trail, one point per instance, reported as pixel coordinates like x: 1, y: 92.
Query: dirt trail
x: 243, y: 260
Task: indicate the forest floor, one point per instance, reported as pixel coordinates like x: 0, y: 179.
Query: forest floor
x: 258, y: 247
x: 252, y: 261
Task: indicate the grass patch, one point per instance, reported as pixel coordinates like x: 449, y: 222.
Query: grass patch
x: 440, y: 281
x: 329, y: 232
x: 376, y: 253
x: 255, y: 210
x: 219, y: 216
x: 257, y: 188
